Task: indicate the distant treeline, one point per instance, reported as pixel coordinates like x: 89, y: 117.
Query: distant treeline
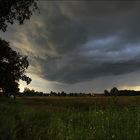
x: 115, y: 92
x: 32, y: 92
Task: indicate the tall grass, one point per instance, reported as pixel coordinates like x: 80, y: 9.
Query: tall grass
x: 19, y: 122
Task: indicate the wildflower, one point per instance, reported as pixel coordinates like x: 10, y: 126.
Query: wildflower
x: 97, y: 112
x: 70, y: 120
x: 113, y: 136
x: 91, y: 128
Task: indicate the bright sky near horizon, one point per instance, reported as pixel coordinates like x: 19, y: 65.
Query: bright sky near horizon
x: 81, y: 46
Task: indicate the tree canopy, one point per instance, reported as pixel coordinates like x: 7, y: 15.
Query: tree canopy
x: 12, y: 68
x: 12, y: 64
x: 15, y: 10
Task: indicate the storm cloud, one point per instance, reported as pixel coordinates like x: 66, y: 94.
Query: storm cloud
x: 78, y: 41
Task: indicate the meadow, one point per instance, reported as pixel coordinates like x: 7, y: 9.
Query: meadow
x: 70, y: 118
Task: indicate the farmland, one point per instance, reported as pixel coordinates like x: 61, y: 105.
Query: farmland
x: 70, y: 118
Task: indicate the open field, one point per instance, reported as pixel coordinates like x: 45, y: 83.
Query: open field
x: 70, y: 118
x: 78, y: 103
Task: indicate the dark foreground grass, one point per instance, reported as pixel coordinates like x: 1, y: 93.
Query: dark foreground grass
x: 21, y: 122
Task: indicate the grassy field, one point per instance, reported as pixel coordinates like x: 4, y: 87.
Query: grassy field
x: 70, y: 118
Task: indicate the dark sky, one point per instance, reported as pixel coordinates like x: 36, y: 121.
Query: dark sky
x: 81, y: 46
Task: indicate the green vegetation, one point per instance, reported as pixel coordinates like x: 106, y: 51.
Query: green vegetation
x: 69, y: 118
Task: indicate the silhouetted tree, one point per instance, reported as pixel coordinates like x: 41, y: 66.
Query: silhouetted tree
x: 63, y: 93
x: 12, y: 64
x: 52, y: 93
x: 29, y: 92
x: 114, y: 91
x: 15, y: 10
x: 12, y: 68
x: 106, y: 92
